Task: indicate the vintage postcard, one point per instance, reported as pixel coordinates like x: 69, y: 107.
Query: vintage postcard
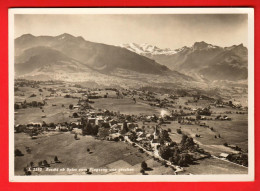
x: 131, y: 94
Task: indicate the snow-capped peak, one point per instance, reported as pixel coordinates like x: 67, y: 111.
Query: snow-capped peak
x: 144, y: 49
x: 150, y: 50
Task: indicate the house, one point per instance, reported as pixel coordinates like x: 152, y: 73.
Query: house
x: 32, y: 124
x: 156, y: 133
x: 131, y: 125
x: 64, y: 129
x: 115, y: 136
x: 155, y: 143
x: 99, y: 121
x: 92, y: 120
x: 77, y: 123
x: 112, y: 122
x: 223, y: 155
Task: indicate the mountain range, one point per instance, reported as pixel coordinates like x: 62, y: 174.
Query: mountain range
x: 71, y: 58
x: 201, y: 60
x: 35, y: 55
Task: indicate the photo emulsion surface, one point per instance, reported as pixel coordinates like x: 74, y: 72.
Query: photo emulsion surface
x: 117, y: 93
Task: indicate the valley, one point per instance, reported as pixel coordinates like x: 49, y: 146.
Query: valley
x: 95, y: 109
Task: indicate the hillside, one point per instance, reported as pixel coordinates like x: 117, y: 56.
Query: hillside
x: 101, y: 57
x: 202, y: 60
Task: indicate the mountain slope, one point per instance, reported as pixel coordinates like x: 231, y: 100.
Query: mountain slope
x: 203, y: 60
x: 45, y: 59
x: 101, y: 57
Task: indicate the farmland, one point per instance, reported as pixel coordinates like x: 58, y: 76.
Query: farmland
x: 65, y: 110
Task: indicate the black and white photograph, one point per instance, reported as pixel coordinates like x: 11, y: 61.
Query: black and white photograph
x: 114, y: 94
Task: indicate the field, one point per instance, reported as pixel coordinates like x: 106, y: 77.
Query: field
x: 73, y: 155
x: 119, y: 155
x: 126, y: 106
x: 214, y: 166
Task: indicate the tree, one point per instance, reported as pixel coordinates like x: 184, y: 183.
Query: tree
x: 184, y: 138
x: 71, y: 106
x: 75, y: 115
x: 144, y: 165
x: 45, y: 163
x: 179, y: 131
x: 141, y: 150
x: 198, y: 117
x: 39, y: 163
x: 44, y: 124
x: 87, y: 130
x: 183, y: 159
x: 95, y: 130
x: 26, y: 171
x: 142, y: 171
x: 16, y: 106
x: 103, y: 132
x: 172, y: 144
x: 132, y: 136
x: 165, y: 152
x: 176, y: 156
x: 52, y: 125
x: 56, y: 159
x: 164, y: 135
x: 17, y: 152
x: 125, y: 128
x: 34, y: 103
x: 187, y: 143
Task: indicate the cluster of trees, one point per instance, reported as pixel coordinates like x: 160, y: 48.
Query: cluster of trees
x: 205, y: 111
x: 175, y: 156
x: 89, y: 129
x: 179, y: 154
x: 165, y: 152
x: 164, y: 137
x: 241, y: 159
x: 187, y: 144
x: 103, y: 132
x: 181, y: 159
x: 132, y: 136
x: 28, y: 104
x: 26, y: 83
x: 20, y: 128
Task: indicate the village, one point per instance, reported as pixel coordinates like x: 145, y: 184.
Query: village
x: 175, y: 131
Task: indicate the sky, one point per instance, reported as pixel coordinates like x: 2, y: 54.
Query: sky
x: 162, y: 30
